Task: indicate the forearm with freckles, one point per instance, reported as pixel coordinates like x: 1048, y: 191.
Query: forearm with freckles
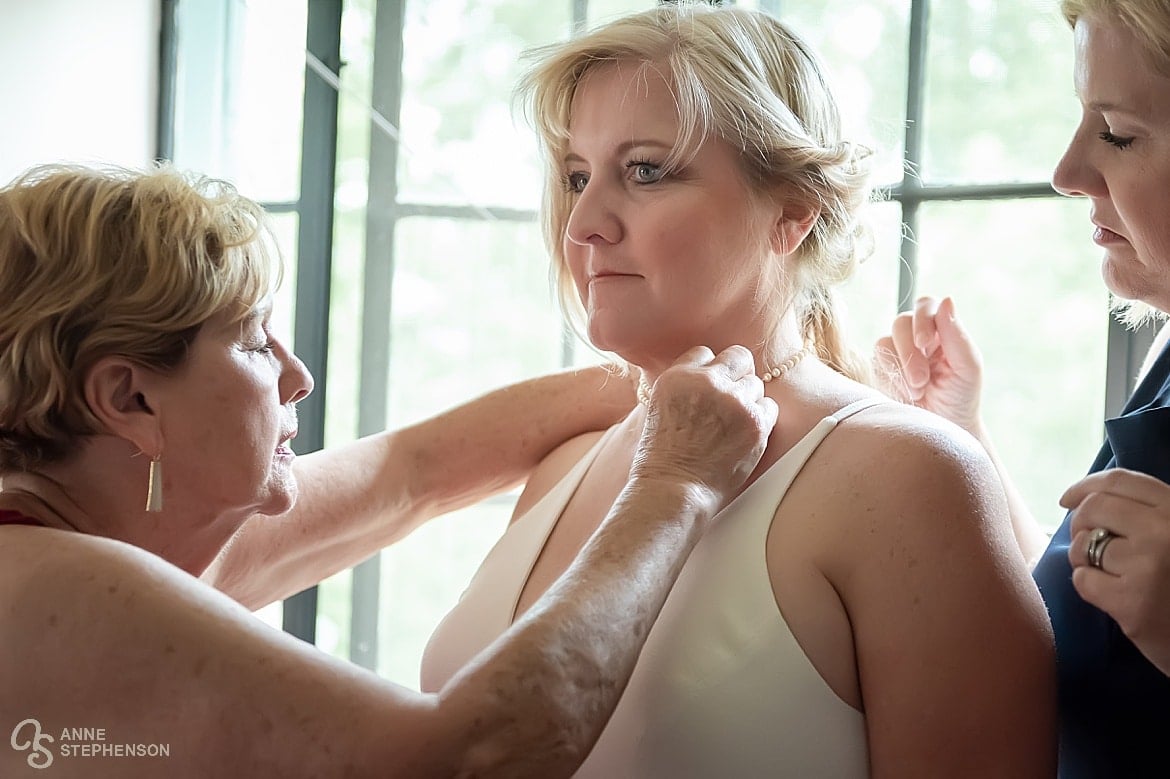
x: 537, y: 700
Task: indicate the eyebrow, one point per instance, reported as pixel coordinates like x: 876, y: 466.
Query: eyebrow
x: 1102, y: 107
x: 622, y: 148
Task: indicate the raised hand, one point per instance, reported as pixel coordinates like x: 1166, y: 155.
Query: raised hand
x: 929, y: 360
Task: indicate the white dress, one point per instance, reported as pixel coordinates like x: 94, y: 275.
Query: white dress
x: 721, y: 689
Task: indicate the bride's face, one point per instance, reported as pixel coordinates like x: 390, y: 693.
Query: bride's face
x: 663, y: 261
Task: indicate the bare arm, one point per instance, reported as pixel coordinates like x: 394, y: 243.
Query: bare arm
x: 954, y: 650
x: 363, y: 496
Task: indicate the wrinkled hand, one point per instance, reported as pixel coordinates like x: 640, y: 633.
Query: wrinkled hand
x: 707, y: 423
x: 1133, y: 584
x: 930, y: 361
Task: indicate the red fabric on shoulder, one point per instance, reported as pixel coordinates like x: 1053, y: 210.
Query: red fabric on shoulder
x: 8, y: 517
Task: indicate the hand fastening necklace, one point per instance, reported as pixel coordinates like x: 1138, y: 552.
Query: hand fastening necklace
x: 769, y: 375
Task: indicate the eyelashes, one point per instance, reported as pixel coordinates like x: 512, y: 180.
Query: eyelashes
x: 654, y: 174
x: 639, y: 171
x: 1115, y: 140
x: 575, y: 182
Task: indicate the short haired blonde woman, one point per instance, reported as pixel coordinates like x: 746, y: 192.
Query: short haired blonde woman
x: 862, y: 609
x: 146, y: 410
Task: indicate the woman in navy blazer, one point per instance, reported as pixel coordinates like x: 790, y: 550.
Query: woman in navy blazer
x: 1105, y: 575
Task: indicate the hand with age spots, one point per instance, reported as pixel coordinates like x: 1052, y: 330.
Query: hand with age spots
x: 707, y: 423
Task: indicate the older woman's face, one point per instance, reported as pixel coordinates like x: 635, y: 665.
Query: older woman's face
x: 662, y: 262
x: 228, y: 420
x: 1119, y: 158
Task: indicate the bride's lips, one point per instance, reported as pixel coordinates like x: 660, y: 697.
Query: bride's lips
x: 611, y: 275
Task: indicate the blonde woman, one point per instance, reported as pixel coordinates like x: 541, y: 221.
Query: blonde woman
x: 862, y: 610
x: 146, y: 409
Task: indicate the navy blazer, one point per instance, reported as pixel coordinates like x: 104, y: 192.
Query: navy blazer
x: 1114, y: 703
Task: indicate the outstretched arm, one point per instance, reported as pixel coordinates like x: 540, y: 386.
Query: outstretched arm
x: 929, y: 360
x: 360, y: 497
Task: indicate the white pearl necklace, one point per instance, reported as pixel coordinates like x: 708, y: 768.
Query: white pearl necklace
x: 769, y: 375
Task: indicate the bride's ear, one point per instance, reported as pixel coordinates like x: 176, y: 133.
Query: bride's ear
x: 793, y: 224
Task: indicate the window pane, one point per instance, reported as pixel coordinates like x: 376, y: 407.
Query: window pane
x: 335, y: 612
x: 472, y: 311
x: 461, y: 141
x: 601, y: 11
x: 239, y: 91
x: 1026, y: 284
x: 870, y: 299
x: 349, y: 224
x: 284, y: 230
x: 422, y: 578
x: 999, y: 96
x: 863, y: 45
x: 334, y: 598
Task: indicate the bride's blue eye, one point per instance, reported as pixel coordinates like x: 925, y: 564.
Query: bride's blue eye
x: 644, y: 172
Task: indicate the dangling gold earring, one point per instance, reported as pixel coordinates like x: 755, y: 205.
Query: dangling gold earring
x: 154, y: 485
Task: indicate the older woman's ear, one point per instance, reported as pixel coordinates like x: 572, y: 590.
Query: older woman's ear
x: 117, y: 394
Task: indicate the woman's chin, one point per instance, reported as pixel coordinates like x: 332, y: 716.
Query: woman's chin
x: 1119, y: 278
x: 279, y: 498
x: 609, y: 339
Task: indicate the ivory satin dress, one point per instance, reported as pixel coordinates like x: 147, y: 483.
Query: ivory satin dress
x: 722, y: 688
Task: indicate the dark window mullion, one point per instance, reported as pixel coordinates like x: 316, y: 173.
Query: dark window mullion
x: 281, y: 206
x: 923, y: 193
x: 168, y: 67
x: 314, y: 255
